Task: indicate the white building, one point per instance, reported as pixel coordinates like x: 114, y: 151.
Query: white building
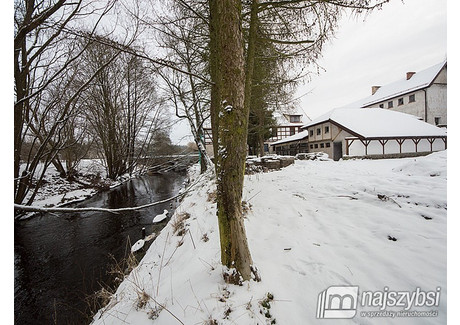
x: 422, y: 94
x: 372, y: 133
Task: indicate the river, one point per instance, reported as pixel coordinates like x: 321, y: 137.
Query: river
x: 60, y: 259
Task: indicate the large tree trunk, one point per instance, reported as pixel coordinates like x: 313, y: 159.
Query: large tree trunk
x: 215, y: 6
x: 20, y: 78
x: 251, y: 54
x: 261, y: 145
x: 232, y: 117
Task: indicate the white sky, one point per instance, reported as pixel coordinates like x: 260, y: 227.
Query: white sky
x: 402, y: 37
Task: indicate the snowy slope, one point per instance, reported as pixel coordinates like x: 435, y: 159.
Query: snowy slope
x: 310, y: 226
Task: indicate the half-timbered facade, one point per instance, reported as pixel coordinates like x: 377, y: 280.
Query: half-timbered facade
x: 288, y: 124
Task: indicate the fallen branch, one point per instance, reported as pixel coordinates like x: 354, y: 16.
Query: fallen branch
x: 383, y: 197
x: 30, y: 208
x: 348, y: 196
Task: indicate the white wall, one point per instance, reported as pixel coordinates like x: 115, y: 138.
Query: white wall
x: 416, y: 108
x: 436, y: 100
x: 357, y: 148
x: 437, y: 103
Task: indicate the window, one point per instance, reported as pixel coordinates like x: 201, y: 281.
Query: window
x: 316, y: 146
x: 294, y: 118
x: 381, y: 105
x: 390, y: 104
x: 283, y: 132
x: 318, y: 131
x: 412, y: 98
x: 322, y: 145
x: 400, y: 101
x: 311, y: 133
x: 437, y: 120
x: 292, y: 130
x: 326, y: 129
x: 311, y: 146
x: 328, y: 145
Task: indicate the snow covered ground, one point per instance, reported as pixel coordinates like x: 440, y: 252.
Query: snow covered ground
x: 57, y: 191
x: 380, y: 225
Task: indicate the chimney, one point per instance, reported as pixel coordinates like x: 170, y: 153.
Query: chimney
x: 374, y: 89
x: 409, y: 75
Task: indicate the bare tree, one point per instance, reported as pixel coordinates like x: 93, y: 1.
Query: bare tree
x: 45, y: 47
x: 184, y: 35
x: 121, y: 107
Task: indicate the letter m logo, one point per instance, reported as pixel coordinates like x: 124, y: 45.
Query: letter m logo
x: 337, y: 302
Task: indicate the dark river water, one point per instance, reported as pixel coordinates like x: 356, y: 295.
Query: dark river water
x: 59, y: 259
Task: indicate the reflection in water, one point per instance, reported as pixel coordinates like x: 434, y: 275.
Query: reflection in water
x: 61, y: 258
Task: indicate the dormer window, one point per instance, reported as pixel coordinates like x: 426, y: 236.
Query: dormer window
x: 294, y: 118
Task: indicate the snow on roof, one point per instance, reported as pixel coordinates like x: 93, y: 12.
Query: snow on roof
x: 418, y: 81
x: 296, y: 137
x: 282, y: 117
x: 379, y: 123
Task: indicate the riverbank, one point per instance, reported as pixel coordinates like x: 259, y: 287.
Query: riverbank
x: 375, y: 224
x: 91, y: 179
x: 62, y: 260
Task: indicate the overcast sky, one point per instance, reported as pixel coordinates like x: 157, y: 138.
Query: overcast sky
x: 402, y: 37
x: 372, y: 50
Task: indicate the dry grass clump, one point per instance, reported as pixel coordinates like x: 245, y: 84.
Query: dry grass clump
x: 154, y: 313
x: 212, y: 197
x: 118, y: 271
x: 178, y: 223
x: 210, y: 321
x: 142, y: 299
x: 246, y: 207
x: 205, y: 237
